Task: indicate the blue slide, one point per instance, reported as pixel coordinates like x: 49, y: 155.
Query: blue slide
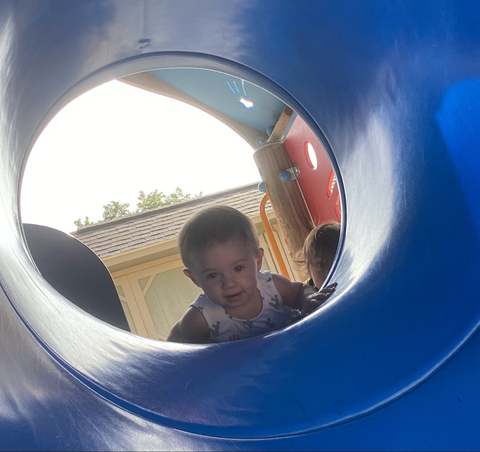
x: 393, y: 361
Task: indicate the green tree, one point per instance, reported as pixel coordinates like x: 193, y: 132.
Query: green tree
x: 81, y: 224
x: 115, y: 209
x: 158, y: 199
x: 152, y: 200
x: 178, y: 196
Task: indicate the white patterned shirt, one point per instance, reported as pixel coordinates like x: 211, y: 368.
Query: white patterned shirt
x: 223, y: 327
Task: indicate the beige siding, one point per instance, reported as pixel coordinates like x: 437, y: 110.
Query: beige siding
x: 168, y: 297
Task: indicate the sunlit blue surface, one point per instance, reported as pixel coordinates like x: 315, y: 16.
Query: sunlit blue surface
x: 459, y: 121
x: 391, y: 362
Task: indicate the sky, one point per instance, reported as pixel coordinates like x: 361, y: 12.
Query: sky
x: 116, y: 140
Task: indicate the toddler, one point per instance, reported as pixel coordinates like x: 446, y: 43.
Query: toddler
x: 220, y: 250
x: 319, y: 251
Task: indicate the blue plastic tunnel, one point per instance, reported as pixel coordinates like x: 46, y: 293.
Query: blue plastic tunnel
x: 392, y: 362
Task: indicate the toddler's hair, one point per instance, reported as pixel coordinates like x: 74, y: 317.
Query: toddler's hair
x: 215, y: 224
x: 321, y: 242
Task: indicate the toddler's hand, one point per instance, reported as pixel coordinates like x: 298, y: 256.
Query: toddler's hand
x: 314, y: 300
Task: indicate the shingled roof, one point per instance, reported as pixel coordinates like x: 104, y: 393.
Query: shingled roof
x: 157, y: 225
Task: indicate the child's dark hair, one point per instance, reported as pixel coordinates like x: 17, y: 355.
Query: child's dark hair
x: 321, y: 241
x: 215, y: 224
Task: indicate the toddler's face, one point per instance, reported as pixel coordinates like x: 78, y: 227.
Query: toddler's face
x: 227, y: 273
x: 319, y: 271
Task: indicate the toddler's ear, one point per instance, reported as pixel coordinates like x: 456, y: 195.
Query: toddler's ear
x: 260, y: 259
x: 189, y: 275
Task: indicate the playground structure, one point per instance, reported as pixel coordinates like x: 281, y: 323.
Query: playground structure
x: 392, y: 91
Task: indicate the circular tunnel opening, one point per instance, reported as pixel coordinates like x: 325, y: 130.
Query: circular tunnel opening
x: 147, y: 290
x: 124, y: 368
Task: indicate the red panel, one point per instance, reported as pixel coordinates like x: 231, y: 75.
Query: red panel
x: 319, y: 190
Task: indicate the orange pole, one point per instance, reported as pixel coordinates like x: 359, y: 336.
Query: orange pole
x: 271, y: 237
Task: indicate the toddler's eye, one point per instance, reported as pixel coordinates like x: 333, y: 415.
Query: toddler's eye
x: 212, y: 275
x: 239, y: 268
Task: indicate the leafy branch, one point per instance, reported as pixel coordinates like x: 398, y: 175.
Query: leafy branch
x: 115, y: 209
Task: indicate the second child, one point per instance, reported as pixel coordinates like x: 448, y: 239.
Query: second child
x: 319, y: 251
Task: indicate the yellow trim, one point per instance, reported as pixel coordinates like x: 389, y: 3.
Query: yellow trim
x: 143, y: 253
x: 142, y: 306
x: 147, y: 286
x: 132, y: 305
x: 146, y: 265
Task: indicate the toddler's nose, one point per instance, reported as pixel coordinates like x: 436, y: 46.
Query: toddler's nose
x: 228, y: 281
